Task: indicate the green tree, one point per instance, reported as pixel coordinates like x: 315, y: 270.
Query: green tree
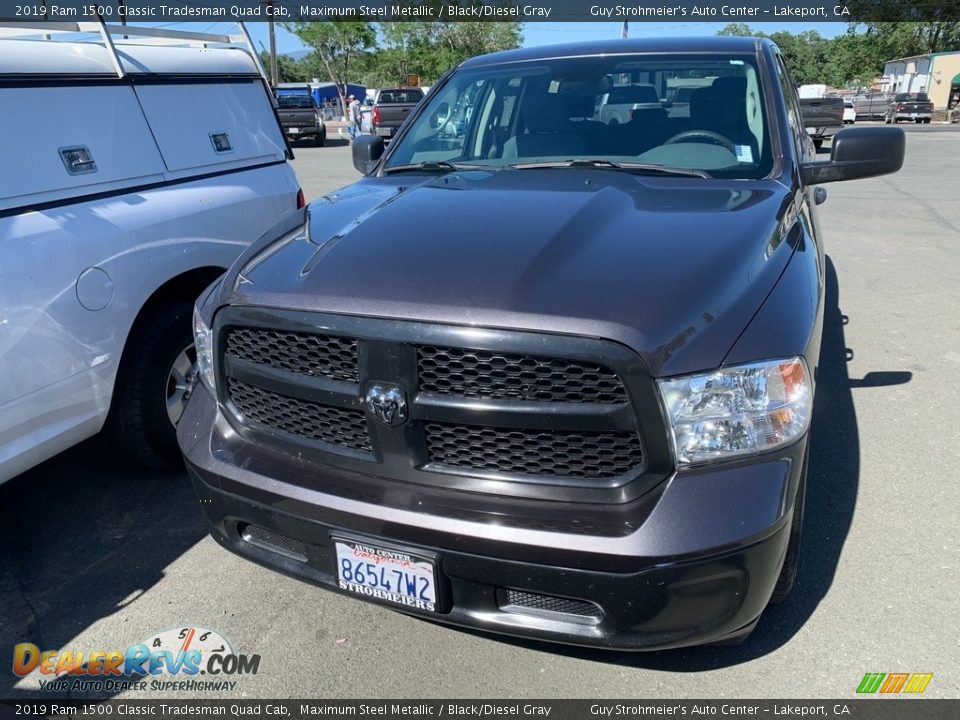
x: 429, y: 49
x: 335, y: 45
x: 288, y: 69
x: 737, y: 30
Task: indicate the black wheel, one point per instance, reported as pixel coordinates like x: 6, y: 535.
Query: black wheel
x: 926, y: 121
x: 818, y: 143
x: 788, y: 573
x: 154, y: 383
x: 320, y: 138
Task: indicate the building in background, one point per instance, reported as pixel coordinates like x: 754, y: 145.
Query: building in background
x: 937, y: 74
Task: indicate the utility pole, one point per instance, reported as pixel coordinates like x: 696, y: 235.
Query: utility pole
x: 273, y: 47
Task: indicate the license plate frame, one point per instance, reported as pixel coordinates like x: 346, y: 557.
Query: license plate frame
x: 384, y: 132
x: 293, y: 130
x: 387, y: 559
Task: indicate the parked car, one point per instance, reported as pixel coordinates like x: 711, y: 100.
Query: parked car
x: 114, y: 215
x: 849, y: 112
x: 391, y: 109
x: 366, y: 114
x: 551, y: 377
x: 871, y: 106
x: 822, y: 117
x: 301, y: 117
x: 910, y: 106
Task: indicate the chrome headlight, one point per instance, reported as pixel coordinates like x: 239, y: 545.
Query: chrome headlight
x: 736, y: 411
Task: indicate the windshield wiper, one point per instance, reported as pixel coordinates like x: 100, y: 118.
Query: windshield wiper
x: 650, y: 168
x: 439, y: 165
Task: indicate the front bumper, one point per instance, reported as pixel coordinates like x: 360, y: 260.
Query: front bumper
x: 693, y: 561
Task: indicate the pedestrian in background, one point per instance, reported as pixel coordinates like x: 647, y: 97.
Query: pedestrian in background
x: 353, y: 114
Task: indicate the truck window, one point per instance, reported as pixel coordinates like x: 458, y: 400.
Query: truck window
x: 598, y: 107
x: 295, y: 102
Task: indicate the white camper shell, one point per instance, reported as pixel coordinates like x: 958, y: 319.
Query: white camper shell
x: 132, y: 176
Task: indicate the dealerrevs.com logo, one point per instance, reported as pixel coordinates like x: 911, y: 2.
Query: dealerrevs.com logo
x: 181, y: 659
x: 894, y: 683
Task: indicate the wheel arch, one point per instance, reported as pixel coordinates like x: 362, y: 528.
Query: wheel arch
x: 186, y: 286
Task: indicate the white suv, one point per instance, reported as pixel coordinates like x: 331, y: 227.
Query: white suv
x: 133, y: 175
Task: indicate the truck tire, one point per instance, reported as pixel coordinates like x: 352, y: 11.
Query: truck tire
x: 788, y: 573
x: 154, y: 382
x: 320, y: 139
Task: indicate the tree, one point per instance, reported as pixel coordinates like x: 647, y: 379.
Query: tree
x: 736, y: 30
x: 335, y: 45
x: 288, y: 69
x: 429, y: 49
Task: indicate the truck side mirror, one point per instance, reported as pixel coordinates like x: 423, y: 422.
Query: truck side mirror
x: 858, y: 153
x: 366, y: 151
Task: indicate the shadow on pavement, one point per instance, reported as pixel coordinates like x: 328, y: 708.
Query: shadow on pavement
x: 84, y: 535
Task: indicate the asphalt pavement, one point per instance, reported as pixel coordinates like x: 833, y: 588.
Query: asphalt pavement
x: 98, y: 556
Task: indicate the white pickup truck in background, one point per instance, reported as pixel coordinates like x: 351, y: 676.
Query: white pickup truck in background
x: 133, y: 176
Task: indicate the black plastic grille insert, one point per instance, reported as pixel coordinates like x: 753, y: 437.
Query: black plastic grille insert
x: 501, y: 376
x: 533, y: 452
x: 305, y: 353
x: 336, y: 426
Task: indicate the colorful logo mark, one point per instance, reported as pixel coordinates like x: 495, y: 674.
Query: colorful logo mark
x: 891, y: 683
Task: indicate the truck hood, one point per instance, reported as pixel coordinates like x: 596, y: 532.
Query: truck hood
x: 671, y: 267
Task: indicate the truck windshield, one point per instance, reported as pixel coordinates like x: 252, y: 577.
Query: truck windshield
x: 696, y: 112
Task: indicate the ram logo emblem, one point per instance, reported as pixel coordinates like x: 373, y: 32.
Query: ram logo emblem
x: 387, y: 404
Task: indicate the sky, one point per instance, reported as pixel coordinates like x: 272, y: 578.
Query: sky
x: 547, y: 33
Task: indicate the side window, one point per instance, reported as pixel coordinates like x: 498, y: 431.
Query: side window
x: 793, y: 106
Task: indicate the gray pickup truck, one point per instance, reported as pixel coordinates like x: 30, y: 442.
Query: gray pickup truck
x: 822, y: 117
x: 548, y: 376
x: 910, y: 106
x: 392, y: 108
x: 301, y: 118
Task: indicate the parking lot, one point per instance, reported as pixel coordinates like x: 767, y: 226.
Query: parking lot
x: 99, y: 557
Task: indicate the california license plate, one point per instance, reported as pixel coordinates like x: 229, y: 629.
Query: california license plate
x: 384, y: 132
x: 380, y: 573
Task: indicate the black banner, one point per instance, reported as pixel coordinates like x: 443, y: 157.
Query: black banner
x: 208, y: 11
x: 893, y: 708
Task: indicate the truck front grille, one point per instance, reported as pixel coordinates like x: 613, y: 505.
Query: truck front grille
x: 306, y: 353
x: 313, y: 421
x: 533, y: 452
x: 487, y: 418
x: 497, y: 376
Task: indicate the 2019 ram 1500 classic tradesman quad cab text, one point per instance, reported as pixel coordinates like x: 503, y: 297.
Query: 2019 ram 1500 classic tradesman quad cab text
x: 549, y: 377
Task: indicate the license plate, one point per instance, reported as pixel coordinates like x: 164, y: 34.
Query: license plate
x: 293, y: 131
x: 385, y: 132
x: 380, y: 573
